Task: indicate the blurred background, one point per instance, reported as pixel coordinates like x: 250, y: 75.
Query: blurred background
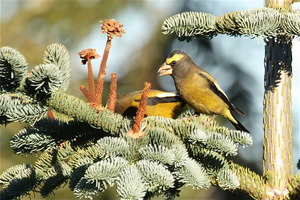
x: 237, y: 63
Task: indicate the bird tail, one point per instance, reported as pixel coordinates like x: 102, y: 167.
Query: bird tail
x: 239, y: 126
x: 238, y: 111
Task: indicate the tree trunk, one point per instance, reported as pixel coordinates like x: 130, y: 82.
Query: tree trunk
x: 277, y: 160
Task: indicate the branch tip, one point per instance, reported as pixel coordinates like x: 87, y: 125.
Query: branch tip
x: 140, y: 113
x: 135, y: 135
x: 86, y: 93
x: 88, y: 54
x: 112, y: 92
x: 112, y: 28
x: 50, y: 115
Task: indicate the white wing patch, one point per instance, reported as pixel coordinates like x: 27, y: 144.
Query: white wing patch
x: 219, y: 88
x: 168, y: 94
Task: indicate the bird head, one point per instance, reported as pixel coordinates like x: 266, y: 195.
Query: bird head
x: 177, y: 62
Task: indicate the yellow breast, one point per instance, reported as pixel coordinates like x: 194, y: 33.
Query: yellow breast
x: 197, y: 93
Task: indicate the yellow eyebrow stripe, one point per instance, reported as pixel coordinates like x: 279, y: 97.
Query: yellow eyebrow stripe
x: 175, y: 57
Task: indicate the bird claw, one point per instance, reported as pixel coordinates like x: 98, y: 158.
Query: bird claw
x: 186, y: 118
x: 207, y: 123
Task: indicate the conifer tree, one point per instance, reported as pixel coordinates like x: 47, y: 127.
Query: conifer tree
x: 92, y: 148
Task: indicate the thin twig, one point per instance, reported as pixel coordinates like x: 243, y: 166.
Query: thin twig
x: 100, y: 80
x: 50, y: 115
x: 87, y: 55
x: 135, y: 132
x: 86, y: 93
x: 91, y: 82
x: 112, y: 28
x: 112, y: 92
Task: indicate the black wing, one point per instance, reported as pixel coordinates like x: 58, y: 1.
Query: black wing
x: 214, y: 88
x: 156, y: 100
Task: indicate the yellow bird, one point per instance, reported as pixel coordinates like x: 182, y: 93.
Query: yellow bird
x: 159, y: 103
x: 198, y: 88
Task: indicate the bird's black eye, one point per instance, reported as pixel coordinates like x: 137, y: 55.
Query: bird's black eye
x: 173, y: 62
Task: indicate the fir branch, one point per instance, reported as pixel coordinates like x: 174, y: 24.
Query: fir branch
x: 227, y: 179
x: 77, y: 133
x: 227, y: 24
x: 214, y: 141
x: 190, y: 24
x: 55, y: 177
x: 84, y: 189
x: 264, y: 22
x: 65, y: 150
x: 158, y: 121
x: 105, y: 172
x: 13, y: 69
x: 48, y: 133
x: 135, y: 144
x: 219, y: 143
x: 28, y: 141
x: 26, y: 113
x: 58, y: 116
x: 250, y: 183
x: 158, y: 153
x: 86, y: 156
x: 199, y: 135
x: 58, y: 55
x: 81, y: 111
x: 239, y: 137
x: 112, y: 146
x: 52, y: 170
x: 10, y: 174
x: 45, y: 162
x: 193, y: 174
x: 76, y: 179
x: 242, y: 138
x: 204, y: 146
x: 80, y: 161
x: 292, y: 23
x: 130, y: 184
x: 43, y: 79
x: 211, y: 160
x: 160, y: 136
x: 18, y: 180
x: 20, y: 108
x: 187, y: 114
x: 156, y: 176
x: 293, y: 187
x: 184, y: 128
x: 193, y: 131
x: 181, y: 155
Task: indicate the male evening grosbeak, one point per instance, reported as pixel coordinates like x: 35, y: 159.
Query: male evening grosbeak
x: 159, y: 103
x: 198, y: 88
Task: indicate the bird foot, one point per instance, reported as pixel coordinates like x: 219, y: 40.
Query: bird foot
x: 207, y: 123
x: 186, y: 118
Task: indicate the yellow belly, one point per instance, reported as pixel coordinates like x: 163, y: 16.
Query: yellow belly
x: 202, y: 99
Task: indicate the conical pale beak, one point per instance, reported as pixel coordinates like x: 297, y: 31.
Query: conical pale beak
x: 165, y: 70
